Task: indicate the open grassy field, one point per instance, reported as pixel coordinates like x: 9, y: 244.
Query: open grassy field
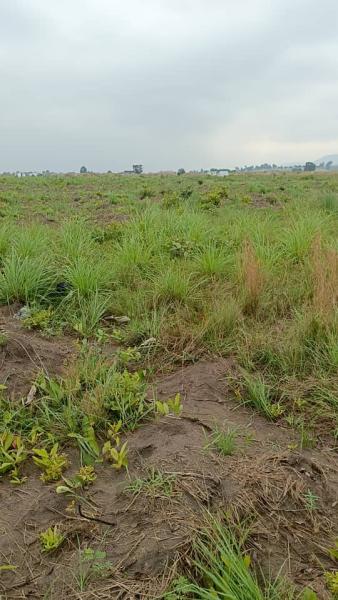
x: 169, y: 387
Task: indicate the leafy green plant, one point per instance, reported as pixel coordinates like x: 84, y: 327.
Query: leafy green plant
x: 171, y: 200
x: 125, y: 356
x: 12, y: 453
x: 213, y: 198
x: 180, y: 249
x: 308, y: 594
x: 39, y: 319
x: 86, y: 439
x: 146, y: 193
x: 331, y: 579
x: 125, y: 399
x: 93, y: 564
x: 50, y: 462
x: 102, y: 336
x: 117, y: 456
x: 179, y: 589
x: 171, y: 406
x: 114, y: 431
x: 84, y: 477
x: 51, y: 539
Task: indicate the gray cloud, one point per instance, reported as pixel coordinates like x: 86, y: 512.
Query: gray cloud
x: 170, y: 83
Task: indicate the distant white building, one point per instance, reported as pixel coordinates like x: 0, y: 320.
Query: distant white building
x: 26, y: 174
x: 31, y: 173
x: 219, y: 172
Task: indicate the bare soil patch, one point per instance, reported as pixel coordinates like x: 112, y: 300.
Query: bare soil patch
x: 265, y: 201
x: 28, y: 352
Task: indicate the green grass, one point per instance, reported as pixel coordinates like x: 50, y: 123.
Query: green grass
x: 156, y: 484
x: 223, y: 570
x: 222, y: 441
x: 25, y: 278
x: 235, y: 279
x: 259, y: 395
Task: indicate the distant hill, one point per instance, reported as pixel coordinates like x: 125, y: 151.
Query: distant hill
x: 328, y: 158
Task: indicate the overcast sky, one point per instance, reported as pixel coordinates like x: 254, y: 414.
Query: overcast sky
x: 168, y: 83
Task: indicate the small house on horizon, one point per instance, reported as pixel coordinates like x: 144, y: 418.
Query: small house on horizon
x: 219, y: 172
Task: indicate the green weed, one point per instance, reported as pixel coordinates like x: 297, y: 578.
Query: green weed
x: 117, y: 456
x: 311, y: 501
x: 172, y: 406
x: 93, y: 564
x: 12, y: 454
x: 50, y: 462
x: 51, y: 539
x: 332, y: 583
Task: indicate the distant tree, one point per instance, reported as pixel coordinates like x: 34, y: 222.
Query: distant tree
x: 181, y: 171
x: 310, y: 166
x: 329, y: 165
x: 83, y: 170
x: 138, y: 169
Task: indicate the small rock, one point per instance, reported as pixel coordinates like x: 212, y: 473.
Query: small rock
x: 148, y: 342
x: 120, y: 320
x: 24, y: 313
x: 31, y: 395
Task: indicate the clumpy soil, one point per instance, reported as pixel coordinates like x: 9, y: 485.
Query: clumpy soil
x: 147, y: 538
x: 27, y: 352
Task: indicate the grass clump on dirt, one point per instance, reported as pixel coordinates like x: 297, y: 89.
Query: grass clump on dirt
x: 156, y: 484
x: 224, y: 570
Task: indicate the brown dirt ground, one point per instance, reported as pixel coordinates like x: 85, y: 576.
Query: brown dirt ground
x: 28, y: 352
x: 146, y: 537
x: 265, y: 201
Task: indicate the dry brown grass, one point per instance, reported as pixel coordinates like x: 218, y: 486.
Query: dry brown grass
x: 325, y: 278
x: 252, y: 278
